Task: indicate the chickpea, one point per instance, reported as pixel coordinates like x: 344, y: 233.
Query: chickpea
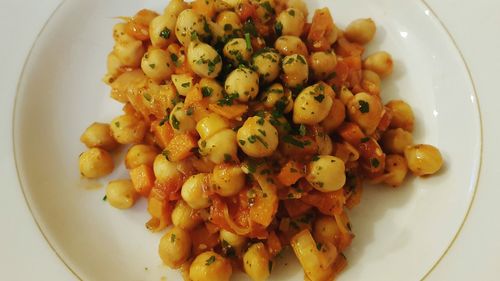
x: 366, y: 111
x: 230, y: 21
x: 360, y: 31
x: 380, y: 63
x: 396, y: 168
x: 95, y: 163
x: 423, y: 159
x: 312, y: 105
x: 98, y: 135
x: 292, y: 22
x: 371, y: 82
x: 175, y: 7
x: 140, y: 154
x: 210, y: 266
x: 114, y: 68
x: 289, y: 45
x: 181, y: 119
x: 175, y: 247
x: 228, y: 180
x: 164, y: 170
x: 325, y: 229
x: 257, y: 137
x: 295, y: 70
x: 256, y: 262
x: 184, y: 216
x: 129, y: 53
x: 127, y: 129
x: 193, y: 192
x: 237, y: 51
x: 243, y: 82
x: 327, y: 173
x: 210, y: 125
x: 345, y: 95
x: 120, y: 33
x: 267, y: 65
x: 396, y: 140
x: 157, y: 64
x: 323, y: 64
x: 121, y: 194
x: 236, y: 241
x: 204, y: 60
x: 189, y: 25
x: 220, y: 147
x: 161, y: 31
x: 402, y: 115
x: 183, y: 83
x: 299, y: 5
x: 335, y: 117
x: 211, y: 89
x: 277, y: 94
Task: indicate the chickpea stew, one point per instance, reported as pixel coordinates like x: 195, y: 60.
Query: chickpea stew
x: 250, y: 129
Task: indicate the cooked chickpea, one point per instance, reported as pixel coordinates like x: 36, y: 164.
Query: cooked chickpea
x: 380, y: 63
x: 157, y: 64
x: 423, y: 159
x: 228, y: 180
x: 299, y: 5
x: 323, y: 64
x: 396, y: 140
x: 114, y: 68
x: 129, y: 53
x: 327, y: 173
x: 164, y: 170
x: 183, y: 83
x: 189, y: 24
x: 360, y: 31
x: 289, y: 45
x: 366, y: 111
x: 325, y: 229
x: 237, y: 51
x: 257, y: 137
x: 211, y: 89
x: 98, y: 135
x: 335, y: 117
x: 210, y: 125
x: 184, y: 216
x: 256, y: 262
x: 396, y: 168
x: 220, y: 147
x: 267, y: 65
x: 121, y: 194
x: 345, y: 95
x: 312, y: 105
x: 140, y: 154
x: 292, y: 22
x: 204, y: 60
x: 161, y: 30
x: 175, y: 7
x: 120, y: 33
x: 210, y: 266
x: 175, y: 247
x: 95, y: 163
x: 402, y: 115
x: 127, y: 129
x: 236, y: 241
x: 229, y: 20
x: 277, y: 94
x: 193, y: 192
x: 181, y: 119
x: 371, y: 82
x: 295, y: 70
x: 243, y: 82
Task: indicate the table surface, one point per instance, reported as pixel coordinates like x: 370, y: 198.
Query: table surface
x: 475, y: 255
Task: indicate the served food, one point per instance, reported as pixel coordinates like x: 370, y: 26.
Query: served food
x: 250, y: 130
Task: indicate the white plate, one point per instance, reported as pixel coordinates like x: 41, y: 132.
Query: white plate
x: 400, y: 233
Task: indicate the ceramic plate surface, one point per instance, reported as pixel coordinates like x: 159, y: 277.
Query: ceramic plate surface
x: 400, y: 233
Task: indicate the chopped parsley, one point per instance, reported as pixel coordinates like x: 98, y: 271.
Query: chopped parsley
x: 105, y: 198
x: 319, y: 246
x: 278, y: 28
x: 301, y: 59
x: 266, y: 5
x: 319, y: 98
x: 206, y: 91
x: 165, y: 33
x: 189, y: 111
x: 248, y: 42
x: 147, y: 96
x: 212, y: 64
x: 152, y: 65
x: 315, y: 158
x: 210, y: 260
x: 165, y: 153
x: 364, y: 106
x: 172, y: 238
x: 262, y: 132
x: 228, y: 27
x: 242, y: 142
x: 293, y: 141
x: 185, y: 85
x: 302, y: 130
x: 249, y: 27
x: 365, y: 139
x: 227, y: 158
x: 374, y: 162
x: 228, y: 99
x: 291, y: 12
x: 117, y: 124
x: 175, y: 59
x: 175, y: 122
